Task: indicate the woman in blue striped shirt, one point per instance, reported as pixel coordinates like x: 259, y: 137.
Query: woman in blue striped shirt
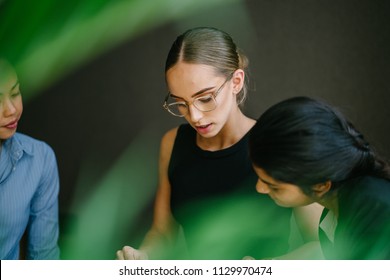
x: 29, y: 182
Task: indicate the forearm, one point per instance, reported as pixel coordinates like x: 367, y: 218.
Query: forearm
x: 43, y: 226
x: 157, y: 244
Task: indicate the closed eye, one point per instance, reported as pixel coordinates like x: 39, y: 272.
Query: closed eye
x: 269, y: 185
x: 15, y: 94
x: 273, y: 187
x: 205, y: 99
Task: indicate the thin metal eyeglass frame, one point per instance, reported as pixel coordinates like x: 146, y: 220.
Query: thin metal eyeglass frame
x: 213, y: 94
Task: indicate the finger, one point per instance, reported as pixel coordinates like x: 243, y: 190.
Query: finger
x: 119, y: 255
x: 140, y: 255
x: 128, y: 253
x: 144, y: 256
x: 248, y: 258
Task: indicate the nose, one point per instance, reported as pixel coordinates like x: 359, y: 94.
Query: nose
x: 261, y: 187
x: 8, y: 107
x: 195, y: 113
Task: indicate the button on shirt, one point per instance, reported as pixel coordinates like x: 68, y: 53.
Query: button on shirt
x: 29, y: 187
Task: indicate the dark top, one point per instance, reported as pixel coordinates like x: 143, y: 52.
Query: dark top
x: 214, y: 198
x: 363, y: 226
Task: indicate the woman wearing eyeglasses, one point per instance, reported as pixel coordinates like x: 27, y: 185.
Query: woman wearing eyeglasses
x: 206, y: 180
x: 304, y: 151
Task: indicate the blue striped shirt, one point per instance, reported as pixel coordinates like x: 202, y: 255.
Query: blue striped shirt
x: 29, y: 187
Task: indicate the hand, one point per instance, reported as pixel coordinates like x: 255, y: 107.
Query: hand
x: 248, y: 258
x: 129, y: 253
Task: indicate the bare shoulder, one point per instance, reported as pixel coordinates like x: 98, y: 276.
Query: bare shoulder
x: 170, y: 135
x: 169, y: 138
x: 167, y: 142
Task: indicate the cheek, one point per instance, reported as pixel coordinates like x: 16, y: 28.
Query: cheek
x: 230, y: 101
x: 20, y: 107
x: 300, y: 199
x: 18, y: 104
x: 222, y: 113
x: 291, y: 199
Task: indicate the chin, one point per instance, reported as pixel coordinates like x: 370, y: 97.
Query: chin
x: 287, y: 204
x: 5, y: 136
x: 284, y: 205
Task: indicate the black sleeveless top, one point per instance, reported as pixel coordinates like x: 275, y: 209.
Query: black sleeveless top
x: 214, y: 198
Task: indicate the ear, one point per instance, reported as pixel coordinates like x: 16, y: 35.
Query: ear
x: 238, y: 80
x: 321, y: 189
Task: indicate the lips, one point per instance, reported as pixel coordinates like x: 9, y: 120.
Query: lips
x: 203, y: 129
x: 12, y: 124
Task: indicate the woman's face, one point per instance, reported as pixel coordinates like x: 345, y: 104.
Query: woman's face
x: 189, y: 81
x: 11, y: 106
x: 284, y: 194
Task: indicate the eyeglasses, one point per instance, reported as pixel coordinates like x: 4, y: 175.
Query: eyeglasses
x: 204, y: 103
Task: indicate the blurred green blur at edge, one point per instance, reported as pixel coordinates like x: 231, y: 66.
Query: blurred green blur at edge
x: 45, y: 40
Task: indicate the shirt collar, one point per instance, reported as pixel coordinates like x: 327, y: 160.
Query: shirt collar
x: 16, y: 145
x: 329, y: 224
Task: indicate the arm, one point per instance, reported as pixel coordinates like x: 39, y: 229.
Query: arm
x: 43, y: 229
x: 307, y: 220
x: 164, y: 228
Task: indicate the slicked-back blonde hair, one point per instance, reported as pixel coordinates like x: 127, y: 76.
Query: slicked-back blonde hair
x: 212, y: 47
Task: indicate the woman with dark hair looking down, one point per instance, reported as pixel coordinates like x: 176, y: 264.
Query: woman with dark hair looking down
x: 305, y: 151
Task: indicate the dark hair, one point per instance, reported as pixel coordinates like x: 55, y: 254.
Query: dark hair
x: 305, y: 142
x: 209, y: 46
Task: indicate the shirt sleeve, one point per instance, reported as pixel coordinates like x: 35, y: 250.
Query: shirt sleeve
x: 43, y: 228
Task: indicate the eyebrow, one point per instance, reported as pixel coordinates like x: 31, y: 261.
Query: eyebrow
x: 13, y: 87
x: 195, y: 94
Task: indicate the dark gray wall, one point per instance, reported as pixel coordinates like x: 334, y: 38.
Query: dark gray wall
x: 335, y: 50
